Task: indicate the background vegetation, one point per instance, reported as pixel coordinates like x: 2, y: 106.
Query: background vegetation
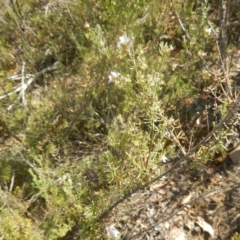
x: 130, y: 81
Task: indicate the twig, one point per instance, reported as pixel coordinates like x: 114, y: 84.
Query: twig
x: 12, y: 182
x: 221, y: 51
x: 18, y: 89
x: 31, y: 77
x: 19, y: 77
x: 23, y: 87
x: 177, y: 142
x: 181, y: 23
x: 181, y: 208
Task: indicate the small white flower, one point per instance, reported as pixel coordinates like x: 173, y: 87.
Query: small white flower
x: 112, y: 76
x: 70, y: 181
x: 65, y: 179
x: 86, y: 25
x: 123, y: 40
x: 202, y: 53
x: 164, y: 159
x: 208, y: 31
x: 171, y: 47
x: 112, y: 232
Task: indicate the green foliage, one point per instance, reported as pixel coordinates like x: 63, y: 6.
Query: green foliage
x: 14, y: 226
x: 106, y: 120
x: 236, y: 236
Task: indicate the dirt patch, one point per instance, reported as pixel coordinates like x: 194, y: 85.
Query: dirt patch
x: 180, y: 207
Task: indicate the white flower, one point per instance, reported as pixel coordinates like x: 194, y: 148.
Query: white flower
x: 112, y: 232
x: 65, y: 179
x: 171, y: 47
x: 86, y: 25
x: 202, y: 53
x: 123, y: 40
x: 208, y: 31
x: 70, y: 181
x: 112, y: 76
x: 164, y: 159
